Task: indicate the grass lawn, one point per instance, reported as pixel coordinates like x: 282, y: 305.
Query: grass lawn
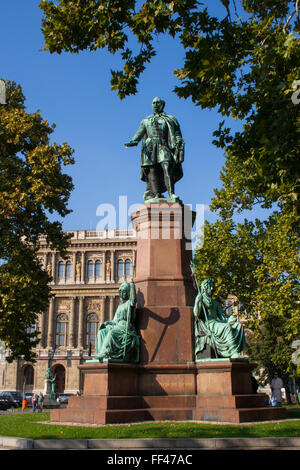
x: 28, y: 425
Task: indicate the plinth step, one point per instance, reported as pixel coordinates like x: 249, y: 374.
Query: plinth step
x: 96, y: 416
x: 242, y: 415
x: 232, y: 401
x: 100, y: 409
x: 132, y: 402
x: 150, y: 414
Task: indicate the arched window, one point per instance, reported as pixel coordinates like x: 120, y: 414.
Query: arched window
x: 62, y: 330
x: 127, y: 267
x: 68, y: 269
x: 120, y: 268
x: 98, y: 268
x: 90, y: 269
x: 60, y: 376
x: 61, y: 270
x: 91, y: 329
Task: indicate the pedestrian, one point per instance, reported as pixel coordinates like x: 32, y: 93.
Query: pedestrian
x: 34, y: 402
x: 276, y: 386
x: 41, y: 402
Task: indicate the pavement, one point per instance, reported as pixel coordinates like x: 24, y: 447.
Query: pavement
x: 268, y: 443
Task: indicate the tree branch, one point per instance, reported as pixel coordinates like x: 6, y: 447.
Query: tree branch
x: 297, y: 8
x: 289, y: 18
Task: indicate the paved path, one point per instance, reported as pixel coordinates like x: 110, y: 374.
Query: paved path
x: 268, y: 443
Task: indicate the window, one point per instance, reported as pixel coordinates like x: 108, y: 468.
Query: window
x: 90, y: 269
x: 62, y: 330
x: 98, y: 268
x: 127, y: 267
x: 61, y: 270
x: 120, y: 268
x: 64, y: 271
x: 68, y: 269
x: 28, y: 376
x: 60, y: 377
x: 91, y: 329
x: 33, y: 330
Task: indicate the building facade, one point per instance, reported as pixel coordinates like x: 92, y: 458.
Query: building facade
x: 85, y: 294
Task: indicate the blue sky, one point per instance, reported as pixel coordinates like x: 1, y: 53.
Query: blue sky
x: 73, y: 91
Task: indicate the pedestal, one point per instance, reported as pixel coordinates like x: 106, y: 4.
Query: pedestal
x: 50, y: 403
x: 167, y: 384
x: 165, y: 292
x: 224, y: 394
x: 123, y: 393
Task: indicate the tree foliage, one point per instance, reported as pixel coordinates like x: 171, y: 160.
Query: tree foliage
x: 33, y: 186
x: 244, y: 64
x: 258, y: 262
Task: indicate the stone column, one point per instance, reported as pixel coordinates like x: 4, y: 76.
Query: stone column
x: 102, y: 312
x: 45, y: 261
x: 50, y: 323
x: 111, y: 307
x: 112, y: 266
x: 74, y: 267
x: 42, y: 330
x: 80, y: 323
x: 82, y: 267
x: 53, y: 267
x: 104, y: 266
x: 72, y: 322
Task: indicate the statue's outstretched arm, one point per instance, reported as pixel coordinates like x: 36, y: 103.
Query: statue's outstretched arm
x: 137, y: 136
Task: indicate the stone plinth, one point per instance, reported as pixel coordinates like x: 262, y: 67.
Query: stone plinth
x: 218, y: 391
x: 224, y: 377
x: 121, y: 393
x: 224, y: 394
x: 167, y: 384
x: 50, y: 403
x: 108, y: 378
x: 165, y: 292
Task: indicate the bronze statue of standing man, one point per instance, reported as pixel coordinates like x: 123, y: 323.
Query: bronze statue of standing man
x: 162, y: 152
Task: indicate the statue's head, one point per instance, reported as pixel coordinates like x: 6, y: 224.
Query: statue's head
x: 207, y: 287
x: 158, y: 105
x: 124, y: 291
